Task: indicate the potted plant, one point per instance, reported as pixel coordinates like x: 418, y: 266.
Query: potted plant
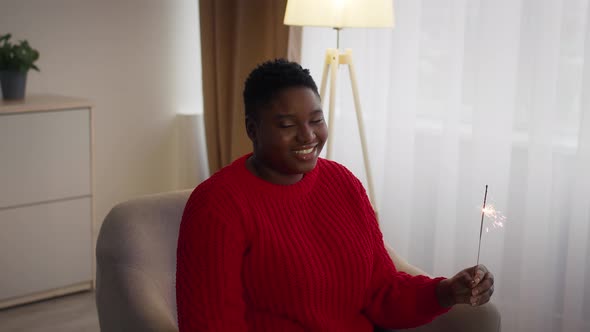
x: 15, y: 62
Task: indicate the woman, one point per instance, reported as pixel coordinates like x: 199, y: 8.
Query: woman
x: 282, y: 240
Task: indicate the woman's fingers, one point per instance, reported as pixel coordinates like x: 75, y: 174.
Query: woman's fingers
x: 483, y: 298
x: 480, y: 272
x: 462, y: 286
x: 479, y: 286
x: 486, y: 284
x: 473, y: 286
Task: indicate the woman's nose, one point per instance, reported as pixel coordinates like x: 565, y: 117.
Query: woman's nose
x: 305, y: 134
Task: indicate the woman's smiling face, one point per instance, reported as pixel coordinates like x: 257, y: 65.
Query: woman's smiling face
x: 288, y: 135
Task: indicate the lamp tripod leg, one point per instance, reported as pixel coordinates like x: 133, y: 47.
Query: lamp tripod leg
x: 325, y: 77
x: 334, y: 64
x: 361, y: 127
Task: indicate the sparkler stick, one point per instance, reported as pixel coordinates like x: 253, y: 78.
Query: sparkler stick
x: 485, y: 196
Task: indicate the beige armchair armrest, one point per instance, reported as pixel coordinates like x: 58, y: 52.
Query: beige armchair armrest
x: 402, y: 265
x: 462, y: 318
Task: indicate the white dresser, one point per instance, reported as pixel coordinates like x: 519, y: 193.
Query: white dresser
x: 46, y: 241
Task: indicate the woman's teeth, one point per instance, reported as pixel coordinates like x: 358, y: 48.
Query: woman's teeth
x: 304, y: 151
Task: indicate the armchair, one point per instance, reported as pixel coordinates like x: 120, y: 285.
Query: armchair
x: 136, y: 266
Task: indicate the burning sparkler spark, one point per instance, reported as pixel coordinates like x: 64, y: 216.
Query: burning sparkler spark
x: 496, y: 217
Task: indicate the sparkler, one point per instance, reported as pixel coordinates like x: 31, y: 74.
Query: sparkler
x: 496, y: 217
x: 483, y: 213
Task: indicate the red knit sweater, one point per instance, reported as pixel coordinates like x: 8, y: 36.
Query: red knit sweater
x: 255, y: 256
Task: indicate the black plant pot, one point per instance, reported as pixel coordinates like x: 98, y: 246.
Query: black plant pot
x: 14, y: 84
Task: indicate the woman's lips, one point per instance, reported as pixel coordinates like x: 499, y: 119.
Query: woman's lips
x: 305, y: 154
x: 306, y: 151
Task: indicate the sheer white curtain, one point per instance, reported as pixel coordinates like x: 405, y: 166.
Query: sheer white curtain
x: 464, y: 93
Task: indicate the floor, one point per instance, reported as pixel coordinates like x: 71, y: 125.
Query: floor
x: 70, y: 313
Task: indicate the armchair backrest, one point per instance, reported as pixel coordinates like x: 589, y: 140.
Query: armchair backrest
x: 136, y: 264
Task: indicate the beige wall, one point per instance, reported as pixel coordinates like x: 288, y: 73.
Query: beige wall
x: 126, y: 56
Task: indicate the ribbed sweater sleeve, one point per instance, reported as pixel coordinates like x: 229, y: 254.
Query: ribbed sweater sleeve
x: 211, y: 245
x: 397, y: 300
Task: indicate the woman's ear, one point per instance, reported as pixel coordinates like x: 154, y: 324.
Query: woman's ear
x: 251, y: 128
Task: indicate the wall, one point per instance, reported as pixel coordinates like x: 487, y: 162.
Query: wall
x: 138, y: 61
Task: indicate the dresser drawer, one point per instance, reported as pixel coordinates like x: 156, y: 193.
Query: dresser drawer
x: 45, y: 246
x: 44, y: 156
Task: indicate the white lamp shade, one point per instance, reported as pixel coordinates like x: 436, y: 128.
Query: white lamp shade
x: 340, y: 13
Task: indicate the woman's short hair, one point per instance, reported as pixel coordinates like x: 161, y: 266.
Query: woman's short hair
x: 269, y: 78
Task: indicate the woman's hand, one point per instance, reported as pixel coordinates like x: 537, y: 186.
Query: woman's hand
x: 474, y: 286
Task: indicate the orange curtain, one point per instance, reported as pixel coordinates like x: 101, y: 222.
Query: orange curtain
x: 237, y: 35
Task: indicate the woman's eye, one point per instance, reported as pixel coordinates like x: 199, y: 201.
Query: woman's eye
x: 318, y: 120
x: 286, y: 125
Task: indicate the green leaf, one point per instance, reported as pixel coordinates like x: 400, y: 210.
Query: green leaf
x: 20, y: 56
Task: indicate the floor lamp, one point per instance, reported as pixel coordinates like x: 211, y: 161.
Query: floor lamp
x: 340, y: 14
